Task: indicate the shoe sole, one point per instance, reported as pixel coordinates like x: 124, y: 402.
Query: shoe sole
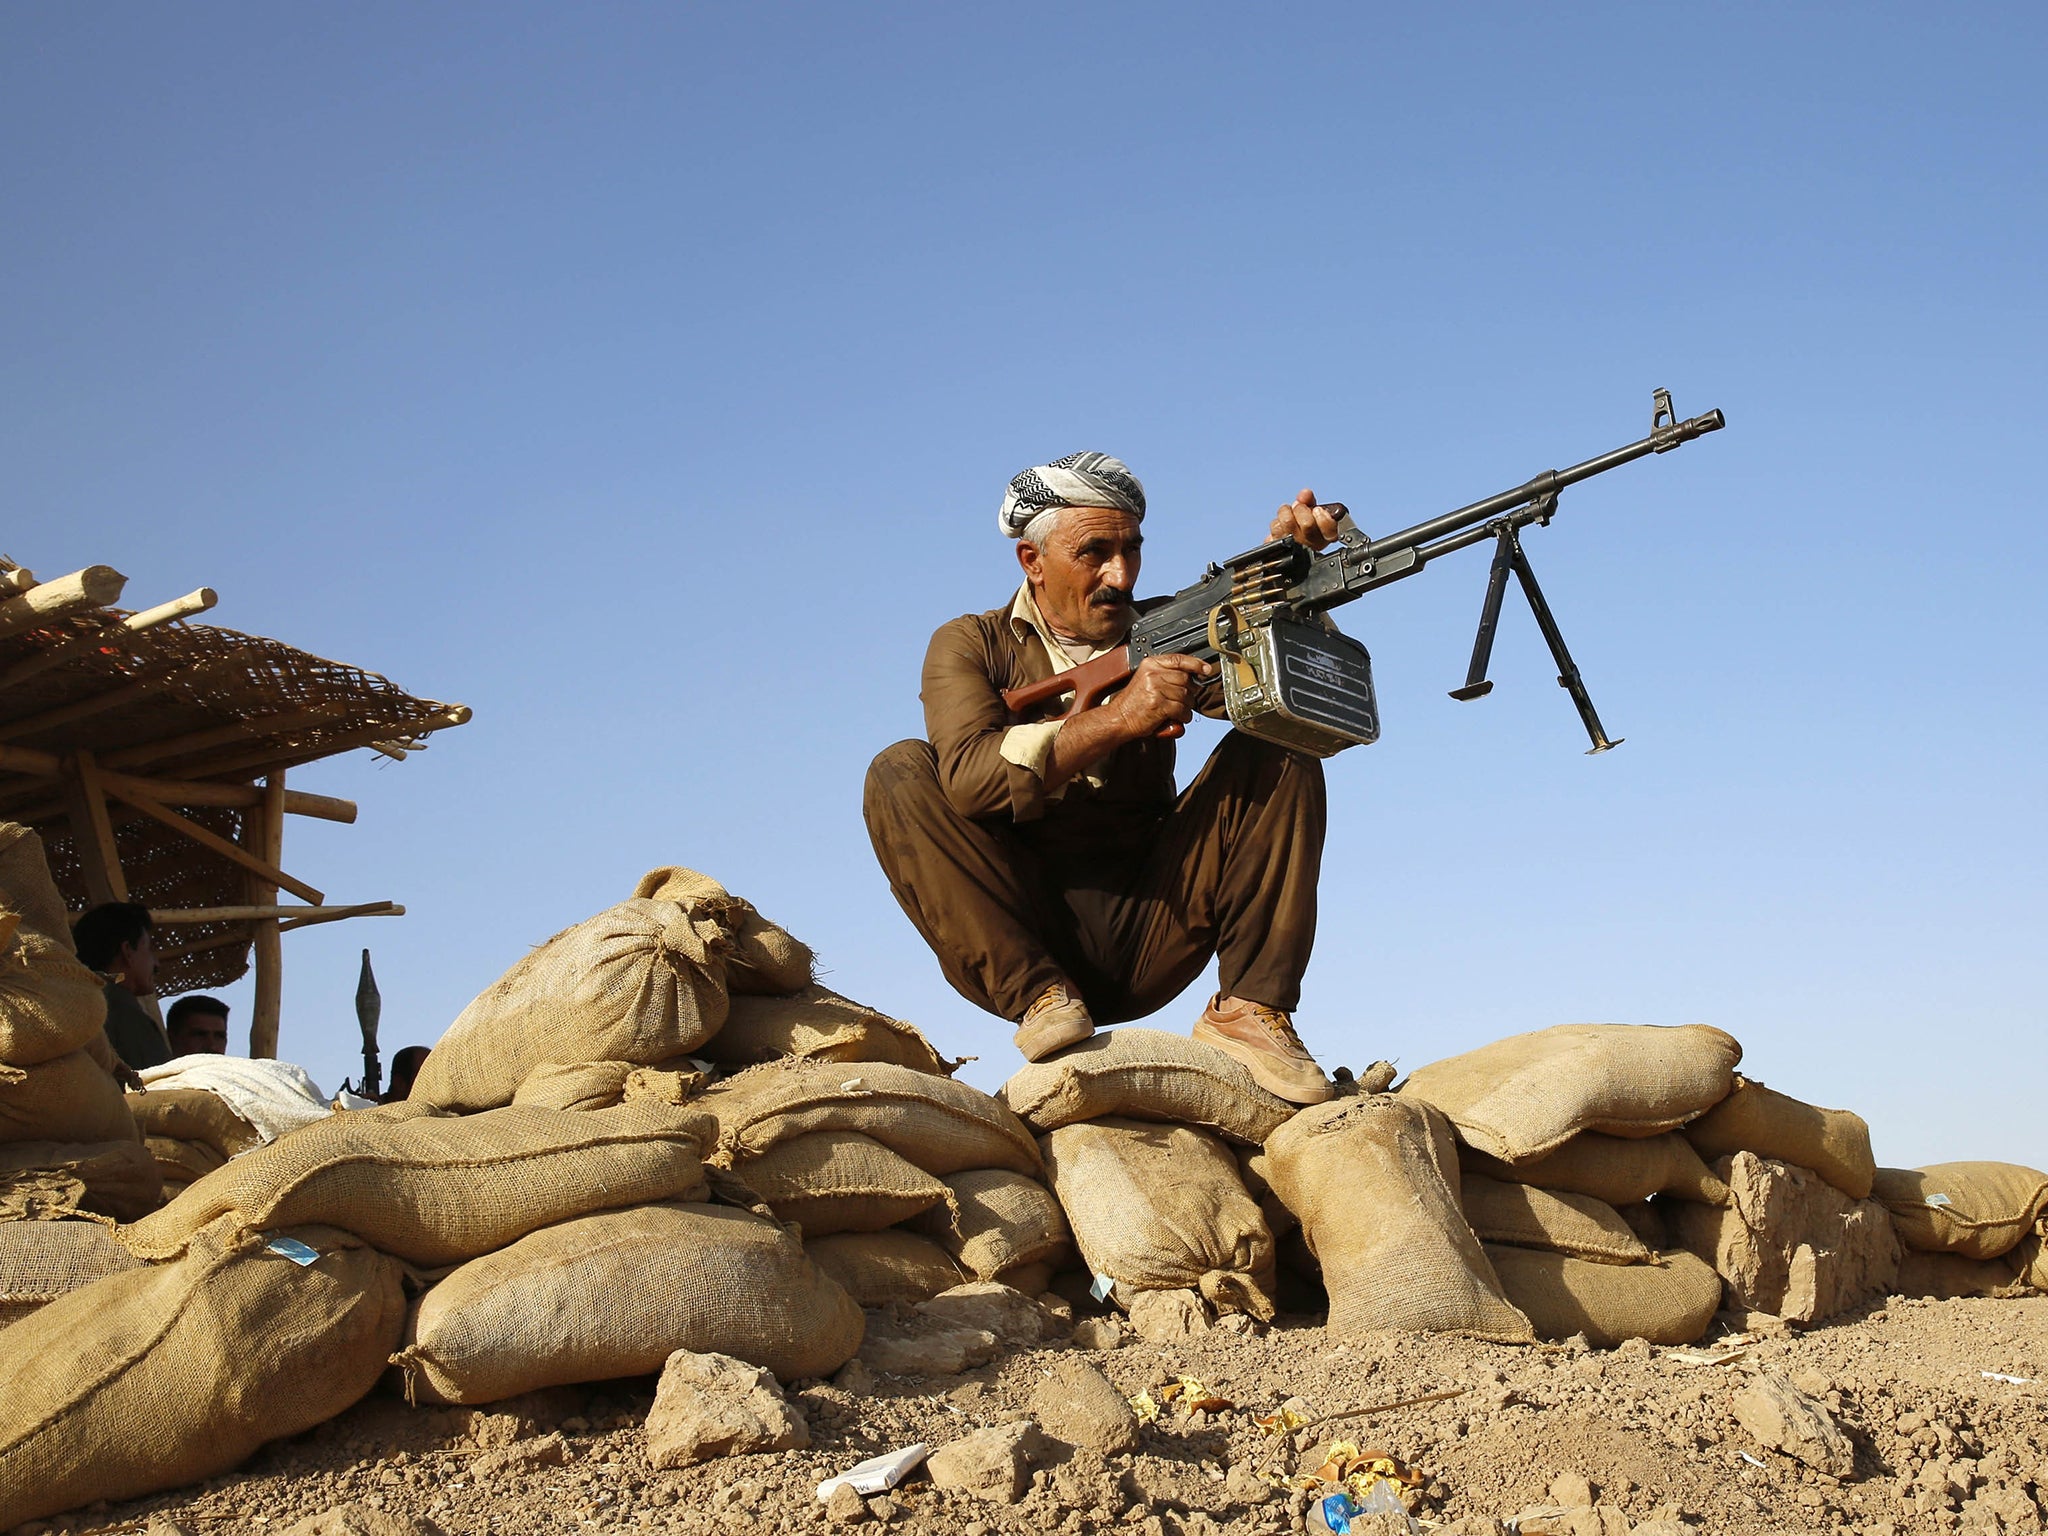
x: 1048, y: 1036
x: 1294, y: 1087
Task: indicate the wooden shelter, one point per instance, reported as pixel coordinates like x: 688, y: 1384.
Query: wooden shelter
x: 151, y: 753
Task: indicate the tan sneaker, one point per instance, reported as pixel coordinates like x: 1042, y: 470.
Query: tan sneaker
x: 1057, y: 1020
x: 1264, y: 1040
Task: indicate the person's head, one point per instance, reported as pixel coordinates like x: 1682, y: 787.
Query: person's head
x: 405, y: 1066
x: 1076, y: 523
x: 197, y: 1026
x: 114, y: 939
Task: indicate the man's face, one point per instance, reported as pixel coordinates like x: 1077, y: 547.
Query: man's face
x: 1084, y: 578
x: 137, y: 966
x: 201, y: 1033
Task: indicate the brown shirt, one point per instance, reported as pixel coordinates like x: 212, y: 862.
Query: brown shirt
x: 971, y: 660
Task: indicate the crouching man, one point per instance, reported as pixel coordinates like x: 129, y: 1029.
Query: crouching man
x: 1050, y: 864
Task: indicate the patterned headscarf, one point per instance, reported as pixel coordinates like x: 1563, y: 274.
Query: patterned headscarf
x: 1078, y: 480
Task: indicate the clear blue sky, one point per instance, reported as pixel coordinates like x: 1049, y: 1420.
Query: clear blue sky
x: 646, y: 377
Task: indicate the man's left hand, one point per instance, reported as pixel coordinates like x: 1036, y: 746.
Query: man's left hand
x: 1302, y: 519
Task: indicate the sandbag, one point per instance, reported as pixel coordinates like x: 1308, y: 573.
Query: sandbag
x: 50, y: 1005
x: 616, y: 1294
x: 1614, y: 1169
x: 581, y: 1085
x: 1945, y: 1276
x: 2029, y: 1262
x: 815, y: 1024
x: 1161, y: 1208
x: 764, y: 959
x: 116, y: 1178
x: 42, y: 1260
x: 643, y: 981
x: 434, y: 1190
x: 1521, y: 1097
x: 1834, y: 1143
x: 997, y: 1221
x: 26, y: 887
x: 160, y: 1376
x: 183, y: 1160
x: 839, y: 1181
x: 72, y: 1098
x: 942, y: 1126
x: 1374, y: 1181
x: 1529, y: 1217
x: 193, y: 1114
x: 1670, y: 1301
x: 1255, y: 1168
x: 1145, y: 1074
x: 878, y: 1268
x: 1980, y: 1210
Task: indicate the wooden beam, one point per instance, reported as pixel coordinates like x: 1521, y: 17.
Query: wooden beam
x: 198, y: 600
x: 94, y: 587
x: 267, y: 949
x: 37, y: 765
x: 78, y: 709
x: 265, y: 871
x: 136, y: 623
x: 188, y: 792
x: 218, y: 736
x: 266, y: 759
x: 292, y: 917
x: 92, y: 833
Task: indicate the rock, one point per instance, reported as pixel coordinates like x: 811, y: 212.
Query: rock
x: 854, y: 1378
x: 884, y: 1508
x: 1100, y: 1333
x: 1083, y: 1481
x: 1788, y: 1242
x: 1165, y: 1317
x: 1782, y: 1418
x: 713, y: 1405
x: 1011, y: 1316
x: 1078, y: 1404
x: 1542, y: 1520
x: 993, y: 1464
x: 362, y: 1520
x: 1571, y: 1490
x: 164, y: 1525
x: 1664, y: 1527
x: 923, y: 1346
x: 845, y: 1507
x: 549, y: 1450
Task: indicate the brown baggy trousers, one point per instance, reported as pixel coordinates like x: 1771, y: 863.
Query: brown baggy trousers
x: 1230, y: 871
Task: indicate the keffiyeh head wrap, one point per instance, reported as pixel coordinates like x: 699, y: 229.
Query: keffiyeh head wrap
x: 1078, y: 480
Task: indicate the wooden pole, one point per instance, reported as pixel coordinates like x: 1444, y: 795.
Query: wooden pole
x: 31, y: 803
x: 94, y: 587
x: 291, y: 917
x: 220, y: 735
x: 271, y: 759
x: 92, y: 833
x: 267, y: 826
x: 69, y: 650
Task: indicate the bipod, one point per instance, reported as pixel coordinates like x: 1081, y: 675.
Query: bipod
x: 1508, y: 556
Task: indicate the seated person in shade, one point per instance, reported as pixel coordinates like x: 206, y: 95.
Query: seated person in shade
x: 114, y: 939
x: 198, y: 1026
x: 405, y: 1066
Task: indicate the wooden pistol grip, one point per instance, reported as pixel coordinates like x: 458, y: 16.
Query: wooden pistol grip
x: 1087, y: 682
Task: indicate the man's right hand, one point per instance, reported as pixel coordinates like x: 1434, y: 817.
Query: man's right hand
x: 1160, y: 694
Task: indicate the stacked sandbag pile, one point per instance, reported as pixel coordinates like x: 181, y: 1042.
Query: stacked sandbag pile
x: 1140, y: 1131
x: 189, y: 1132
x: 1969, y: 1229
x: 1562, y: 1135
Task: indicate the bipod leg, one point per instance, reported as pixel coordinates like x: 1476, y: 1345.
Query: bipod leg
x: 1476, y: 685
x: 1567, y: 670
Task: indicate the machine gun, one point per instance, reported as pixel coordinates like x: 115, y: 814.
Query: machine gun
x: 1289, y: 676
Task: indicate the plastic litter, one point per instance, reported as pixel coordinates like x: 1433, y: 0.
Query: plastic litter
x: 291, y: 1248
x: 2011, y: 1381
x: 878, y: 1474
x: 1686, y: 1354
x: 1194, y: 1396
x: 1753, y: 1461
x: 1103, y: 1285
x: 1145, y: 1406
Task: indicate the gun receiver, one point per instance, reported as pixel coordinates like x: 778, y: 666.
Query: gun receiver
x: 1227, y: 616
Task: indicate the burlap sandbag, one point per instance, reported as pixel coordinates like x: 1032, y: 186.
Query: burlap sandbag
x: 643, y: 981
x: 839, y: 1181
x: 765, y: 958
x: 1520, y: 1097
x: 1669, y: 1301
x: 164, y: 1375
x: 183, y: 1160
x: 72, y: 1098
x: 1616, y: 1169
x: 1374, y: 1180
x: 815, y: 1024
x: 435, y: 1190
x: 1161, y: 1208
x: 582, y: 1085
x: 1980, y: 1210
x: 1529, y: 1217
x: 193, y: 1114
x: 117, y: 1178
x: 996, y: 1222
x: 50, y: 1005
x: 942, y: 1126
x: 616, y: 1294
x: 2029, y: 1261
x: 42, y: 1260
x: 1256, y: 1169
x: 878, y: 1268
x: 26, y: 887
x: 1145, y: 1074
x: 1834, y: 1143
x: 1945, y: 1276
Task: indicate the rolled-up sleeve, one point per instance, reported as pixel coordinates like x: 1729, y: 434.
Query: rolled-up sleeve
x: 968, y: 728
